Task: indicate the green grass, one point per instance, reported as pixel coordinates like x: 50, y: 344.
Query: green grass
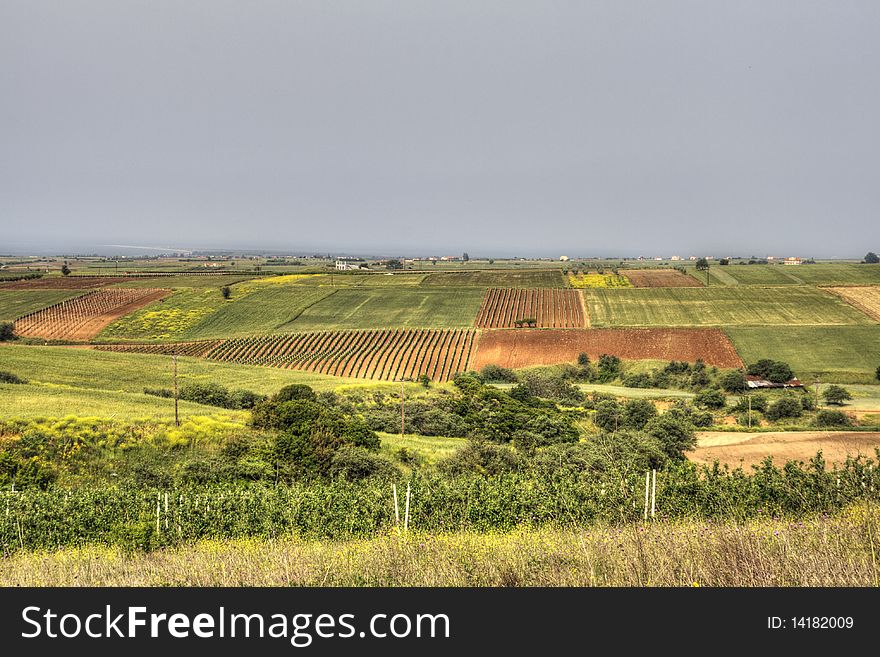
x: 183, y: 281
x: 379, y: 279
x: 635, y: 393
x: 171, y: 318
x: 509, y: 278
x: 865, y: 397
x: 106, y: 370
x: 837, y: 354
x: 837, y: 273
x: 430, y: 448
x: 718, y: 306
x: 15, y: 303
x: 366, y: 308
x: 266, y: 310
x: 44, y: 401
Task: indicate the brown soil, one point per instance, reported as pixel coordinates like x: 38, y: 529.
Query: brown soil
x: 527, y: 347
x: 94, y: 325
x: 69, y: 282
x: 660, y: 278
x: 747, y: 449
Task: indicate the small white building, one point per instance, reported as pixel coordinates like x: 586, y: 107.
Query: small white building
x: 792, y: 261
x: 342, y: 265
x: 675, y: 258
x: 563, y: 258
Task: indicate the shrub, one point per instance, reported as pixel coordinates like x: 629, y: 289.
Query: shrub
x: 774, y: 371
x: 609, y: 415
x: 785, y: 407
x: 9, y: 377
x: 480, y: 457
x: 225, y: 291
x: 159, y: 392
x: 832, y: 418
x: 354, y: 463
x: 734, y: 381
x: 294, y: 391
x: 836, y: 395
x: 637, y: 413
x: 498, y: 374
x: 712, y: 398
x: 808, y: 403
x: 641, y: 380
x: 675, y: 435
x: 7, y: 332
x: 584, y: 360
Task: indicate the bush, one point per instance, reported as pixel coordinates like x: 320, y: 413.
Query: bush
x: 553, y: 386
x: 584, y: 360
x: 7, y: 331
x: 480, y: 457
x: 637, y: 413
x: 354, y: 463
x: 836, y: 395
x: 9, y: 377
x: 210, y: 394
x: 773, y: 371
x: 712, y: 398
x: 808, y: 403
x: 785, y: 407
x: 225, y: 292
x: 641, y: 380
x: 609, y: 415
x: 734, y: 381
x: 829, y: 418
x: 294, y: 391
x: 675, y: 435
x: 159, y: 392
x: 498, y: 374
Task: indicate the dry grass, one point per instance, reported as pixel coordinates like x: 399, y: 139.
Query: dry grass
x: 838, y: 551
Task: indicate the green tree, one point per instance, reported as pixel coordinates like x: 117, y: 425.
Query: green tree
x: 877, y: 373
x: 465, y: 256
x: 637, y: 413
x: 225, y: 291
x: 785, y: 407
x: 872, y: 258
x: 65, y: 270
x: 675, y: 434
x: 702, y: 264
x: 394, y: 263
x: 836, y: 395
x: 734, y: 381
x: 7, y: 333
x: 712, y: 398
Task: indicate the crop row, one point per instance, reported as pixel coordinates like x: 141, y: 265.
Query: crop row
x: 64, y: 318
x: 379, y: 354
x: 539, y: 307
x: 195, y: 349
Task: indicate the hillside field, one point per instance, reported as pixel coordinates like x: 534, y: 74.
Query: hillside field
x: 841, y: 354
x: 15, y: 303
x: 404, y: 307
x: 718, y: 307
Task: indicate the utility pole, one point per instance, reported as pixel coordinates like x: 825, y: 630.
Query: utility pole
x: 176, y: 413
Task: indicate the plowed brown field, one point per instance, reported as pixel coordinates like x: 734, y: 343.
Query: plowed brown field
x: 83, y: 318
x: 549, y: 307
x: 866, y: 299
x: 69, y: 282
x: 660, y: 278
x: 747, y: 449
x: 527, y: 347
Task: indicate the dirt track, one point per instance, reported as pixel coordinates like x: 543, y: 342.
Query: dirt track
x: 527, y: 347
x: 747, y: 449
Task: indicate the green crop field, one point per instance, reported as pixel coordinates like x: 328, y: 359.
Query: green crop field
x: 43, y: 401
x: 266, y: 310
x: 718, y: 307
x: 508, y: 278
x: 364, y: 308
x: 107, y: 370
x: 823, y: 273
x: 384, y: 279
x: 170, y: 318
x: 184, y: 281
x: 843, y: 354
x: 15, y: 303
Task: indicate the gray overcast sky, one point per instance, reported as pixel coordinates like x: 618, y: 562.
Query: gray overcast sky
x: 497, y: 128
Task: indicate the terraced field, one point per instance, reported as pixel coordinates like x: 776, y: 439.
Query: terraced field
x: 389, y: 354
x: 16, y: 303
x: 492, y: 278
x: 841, y: 354
x: 719, y: 306
x: 401, y: 307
